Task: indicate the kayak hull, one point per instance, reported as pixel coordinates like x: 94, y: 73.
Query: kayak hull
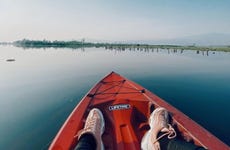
x: 126, y: 107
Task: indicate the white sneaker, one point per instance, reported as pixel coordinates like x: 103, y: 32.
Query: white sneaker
x: 158, y: 122
x: 94, y: 125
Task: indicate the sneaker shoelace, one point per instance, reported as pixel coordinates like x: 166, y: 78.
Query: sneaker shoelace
x: 170, y: 132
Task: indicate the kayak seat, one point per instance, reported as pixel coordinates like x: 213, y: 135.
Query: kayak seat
x: 139, y: 118
x: 124, y: 128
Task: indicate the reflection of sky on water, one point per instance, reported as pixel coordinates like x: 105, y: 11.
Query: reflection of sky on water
x: 40, y: 89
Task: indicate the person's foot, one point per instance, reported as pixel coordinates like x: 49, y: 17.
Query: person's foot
x: 94, y: 125
x: 158, y: 122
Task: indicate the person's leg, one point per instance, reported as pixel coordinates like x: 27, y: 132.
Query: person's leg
x: 162, y: 135
x: 177, y: 144
x: 86, y: 142
x: 90, y: 135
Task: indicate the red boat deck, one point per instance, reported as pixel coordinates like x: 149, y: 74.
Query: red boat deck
x: 126, y: 107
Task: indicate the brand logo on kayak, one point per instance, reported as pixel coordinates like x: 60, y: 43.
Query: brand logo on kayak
x: 118, y: 107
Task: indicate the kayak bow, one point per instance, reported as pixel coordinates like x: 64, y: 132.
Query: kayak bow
x: 126, y: 107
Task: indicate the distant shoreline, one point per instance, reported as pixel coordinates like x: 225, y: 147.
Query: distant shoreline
x: 81, y: 44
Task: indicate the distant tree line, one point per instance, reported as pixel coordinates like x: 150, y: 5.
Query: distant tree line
x: 58, y: 44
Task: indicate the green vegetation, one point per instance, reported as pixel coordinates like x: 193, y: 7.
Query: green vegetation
x: 47, y: 44
x: 79, y: 44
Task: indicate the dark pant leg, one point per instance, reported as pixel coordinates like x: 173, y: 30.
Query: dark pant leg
x: 177, y: 144
x: 86, y: 142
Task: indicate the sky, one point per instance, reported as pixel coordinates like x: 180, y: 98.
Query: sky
x: 111, y: 20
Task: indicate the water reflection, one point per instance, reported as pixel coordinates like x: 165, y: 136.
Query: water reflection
x: 41, y: 88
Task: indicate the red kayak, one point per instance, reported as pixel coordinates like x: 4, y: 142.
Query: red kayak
x: 126, y: 107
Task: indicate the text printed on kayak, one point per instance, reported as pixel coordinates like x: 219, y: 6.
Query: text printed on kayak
x: 119, y: 107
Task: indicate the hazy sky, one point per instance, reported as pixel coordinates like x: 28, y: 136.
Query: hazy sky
x: 116, y: 20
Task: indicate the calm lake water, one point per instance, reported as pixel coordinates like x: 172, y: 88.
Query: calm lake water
x: 41, y: 88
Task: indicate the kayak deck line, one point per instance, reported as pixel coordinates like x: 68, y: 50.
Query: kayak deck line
x: 126, y: 107
x: 118, y: 92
